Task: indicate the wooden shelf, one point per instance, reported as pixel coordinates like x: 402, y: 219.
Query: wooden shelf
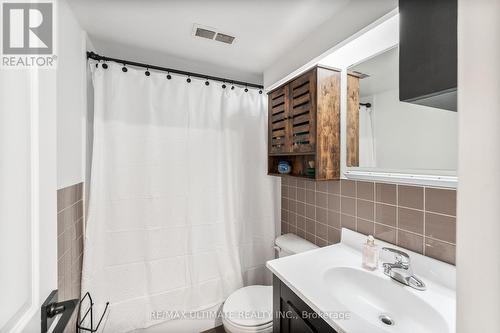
x: 304, y: 124
x: 277, y: 174
x: 293, y: 154
x: 299, y: 164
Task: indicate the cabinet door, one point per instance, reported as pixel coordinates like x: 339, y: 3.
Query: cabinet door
x: 428, y: 52
x: 279, y: 126
x: 302, y: 112
x: 295, y: 323
x: 295, y: 315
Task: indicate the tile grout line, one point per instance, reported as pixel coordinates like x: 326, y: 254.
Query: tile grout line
x: 397, y: 215
x: 356, y: 204
x: 374, y: 210
x: 425, y: 222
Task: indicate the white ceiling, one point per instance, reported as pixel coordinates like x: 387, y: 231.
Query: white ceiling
x: 263, y: 29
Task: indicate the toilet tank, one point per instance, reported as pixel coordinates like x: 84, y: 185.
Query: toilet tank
x: 289, y: 244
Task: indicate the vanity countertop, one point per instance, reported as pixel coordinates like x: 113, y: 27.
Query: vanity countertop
x: 351, y: 299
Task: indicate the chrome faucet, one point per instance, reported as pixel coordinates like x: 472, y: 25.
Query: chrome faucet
x: 400, y: 270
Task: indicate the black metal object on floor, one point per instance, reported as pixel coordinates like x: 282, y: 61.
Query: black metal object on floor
x: 90, y: 311
x: 51, y: 308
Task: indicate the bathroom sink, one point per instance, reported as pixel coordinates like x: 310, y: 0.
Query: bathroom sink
x: 332, y: 282
x: 381, y: 302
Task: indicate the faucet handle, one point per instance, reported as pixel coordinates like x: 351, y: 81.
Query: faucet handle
x: 400, y: 256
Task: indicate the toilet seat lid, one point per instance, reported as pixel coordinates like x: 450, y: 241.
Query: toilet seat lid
x: 250, y: 306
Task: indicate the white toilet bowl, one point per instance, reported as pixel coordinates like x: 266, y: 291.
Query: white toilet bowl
x: 250, y: 309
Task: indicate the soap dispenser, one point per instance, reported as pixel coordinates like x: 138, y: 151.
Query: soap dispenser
x: 370, y: 254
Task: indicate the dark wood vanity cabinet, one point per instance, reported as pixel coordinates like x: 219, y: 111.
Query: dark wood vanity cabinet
x: 304, y: 124
x: 428, y: 52
x: 293, y: 315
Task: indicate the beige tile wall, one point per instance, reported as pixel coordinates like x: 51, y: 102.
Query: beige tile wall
x: 69, y: 244
x: 421, y: 219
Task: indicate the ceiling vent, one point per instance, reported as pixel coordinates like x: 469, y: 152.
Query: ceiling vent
x: 200, y: 32
x: 224, y: 38
x: 211, y: 33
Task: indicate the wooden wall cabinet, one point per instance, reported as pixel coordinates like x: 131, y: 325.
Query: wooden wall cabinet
x: 304, y: 124
x: 352, y: 120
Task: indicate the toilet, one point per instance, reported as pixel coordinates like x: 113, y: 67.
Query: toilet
x: 250, y: 309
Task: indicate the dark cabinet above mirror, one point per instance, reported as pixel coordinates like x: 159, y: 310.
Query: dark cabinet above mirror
x: 428, y: 53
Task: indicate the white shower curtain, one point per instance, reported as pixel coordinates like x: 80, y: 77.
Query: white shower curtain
x: 366, y: 137
x: 181, y: 211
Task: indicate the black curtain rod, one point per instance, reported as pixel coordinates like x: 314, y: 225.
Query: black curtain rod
x: 95, y: 56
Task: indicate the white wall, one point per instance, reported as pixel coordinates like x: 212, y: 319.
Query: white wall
x: 71, y: 98
x: 409, y: 136
x: 89, y: 127
x: 50, y: 118
x: 15, y: 194
x: 478, y: 213
x: 45, y: 224
x: 356, y: 16
x: 28, y: 228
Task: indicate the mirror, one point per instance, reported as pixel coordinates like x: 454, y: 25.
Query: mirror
x: 386, y: 135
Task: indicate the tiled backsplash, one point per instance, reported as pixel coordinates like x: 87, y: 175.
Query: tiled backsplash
x: 69, y: 244
x: 421, y: 219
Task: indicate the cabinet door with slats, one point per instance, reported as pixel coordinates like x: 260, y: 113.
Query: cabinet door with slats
x: 279, y: 126
x: 302, y: 112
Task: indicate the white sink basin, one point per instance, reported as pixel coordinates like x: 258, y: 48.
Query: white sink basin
x: 351, y: 299
x: 383, y: 303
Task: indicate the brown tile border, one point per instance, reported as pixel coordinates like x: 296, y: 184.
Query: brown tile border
x: 365, y: 209
x: 385, y: 233
x: 348, y: 206
x: 386, y: 214
x: 70, y: 241
x: 440, y: 250
x: 386, y: 193
x: 365, y: 190
x: 415, y: 217
x: 440, y: 227
x: 411, y: 220
x: 348, y: 188
x: 411, y: 196
x: 411, y: 241
x: 441, y: 201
